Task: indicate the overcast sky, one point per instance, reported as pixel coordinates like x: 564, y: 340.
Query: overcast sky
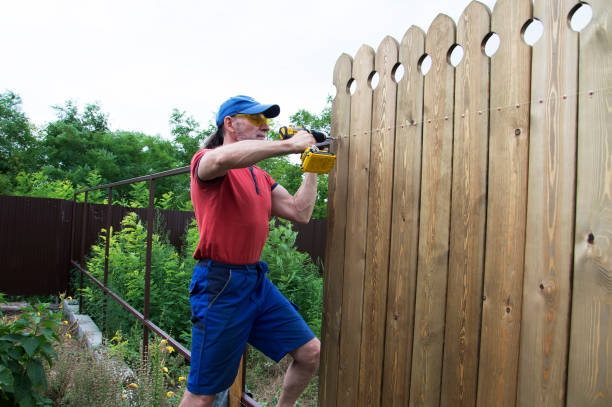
x: 140, y: 59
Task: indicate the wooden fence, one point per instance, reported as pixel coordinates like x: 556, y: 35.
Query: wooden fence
x: 469, y: 246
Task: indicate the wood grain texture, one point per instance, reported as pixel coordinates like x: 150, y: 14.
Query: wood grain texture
x: 379, y: 225
x: 336, y: 229
x: 468, y: 211
x: 506, y: 206
x: 357, y: 212
x: 550, y: 210
x: 236, y: 389
x: 405, y: 226
x: 590, y: 358
x: 434, y: 217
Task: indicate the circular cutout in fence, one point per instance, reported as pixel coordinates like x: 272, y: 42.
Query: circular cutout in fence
x: 424, y: 64
x: 373, y: 80
x: 351, y: 86
x: 490, y: 44
x: 398, y: 72
x: 532, y: 31
x: 455, y: 55
x: 332, y: 91
x: 580, y: 16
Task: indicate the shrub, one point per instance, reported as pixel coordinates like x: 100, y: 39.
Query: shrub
x: 25, y: 343
x: 294, y: 273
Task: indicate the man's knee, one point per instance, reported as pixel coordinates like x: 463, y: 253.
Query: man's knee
x: 196, y: 400
x: 308, y: 354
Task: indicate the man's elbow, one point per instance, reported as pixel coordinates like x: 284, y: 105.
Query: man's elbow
x: 303, y: 217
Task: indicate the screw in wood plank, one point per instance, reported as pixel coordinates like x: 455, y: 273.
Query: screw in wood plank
x: 591, y: 238
x: 517, y: 132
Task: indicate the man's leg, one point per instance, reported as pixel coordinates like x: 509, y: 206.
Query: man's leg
x: 196, y: 400
x: 302, y: 368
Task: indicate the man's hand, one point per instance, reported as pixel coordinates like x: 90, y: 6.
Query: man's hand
x: 302, y: 140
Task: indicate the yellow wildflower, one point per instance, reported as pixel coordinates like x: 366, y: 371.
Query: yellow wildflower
x: 68, y: 336
x: 170, y: 394
x: 163, y: 342
x: 170, y: 349
x: 181, y: 379
x: 38, y: 313
x: 165, y: 369
x: 69, y: 298
x: 133, y: 385
x: 65, y: 322
x: 123, y: 396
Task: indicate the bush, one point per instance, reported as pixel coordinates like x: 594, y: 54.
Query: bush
x: 169, y: 292
x: 25, y: 343
x: 294, y: 273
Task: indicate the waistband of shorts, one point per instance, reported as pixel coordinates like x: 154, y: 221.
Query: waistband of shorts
x: 212, y: 263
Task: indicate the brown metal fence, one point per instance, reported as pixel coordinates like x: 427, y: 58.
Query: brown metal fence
x: 35, y: 236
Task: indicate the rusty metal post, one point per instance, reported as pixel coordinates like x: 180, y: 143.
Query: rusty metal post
x: 109, y: 213
x: 82, y: 257
x: 147, y: 288
x: 72, y: 222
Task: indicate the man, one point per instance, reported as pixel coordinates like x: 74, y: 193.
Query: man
x: 232, y: 300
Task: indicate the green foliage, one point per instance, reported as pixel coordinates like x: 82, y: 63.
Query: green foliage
x: 25, y: 343
x: 294, y: 273
x: 309, y: 120
x: 19, y: 146
x: 169, y: 298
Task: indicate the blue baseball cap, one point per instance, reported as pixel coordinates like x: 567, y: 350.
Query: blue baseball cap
x: 245, y: 105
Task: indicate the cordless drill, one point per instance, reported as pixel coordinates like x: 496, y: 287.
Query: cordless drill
x: 313, y: 158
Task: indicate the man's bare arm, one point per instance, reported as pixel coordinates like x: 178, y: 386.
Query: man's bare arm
x: 245, y: 153
x: 298, y: 207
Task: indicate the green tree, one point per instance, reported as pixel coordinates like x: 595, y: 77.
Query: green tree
x: 19, y: 146
x: 187, y: 135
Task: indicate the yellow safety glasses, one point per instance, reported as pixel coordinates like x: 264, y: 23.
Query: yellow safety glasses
x: 255, y: 119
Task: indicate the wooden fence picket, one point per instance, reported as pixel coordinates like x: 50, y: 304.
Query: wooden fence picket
x: 379, y: 224
x: 357, y: 213
x: 336, y: 229
x: 550, y: 209
x: 468, y: 211
x: 435, y: 216
x: 590, y: 358
x: 405, y: 228
x: 506, y: 206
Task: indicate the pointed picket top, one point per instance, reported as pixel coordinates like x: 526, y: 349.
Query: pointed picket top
x: 386, y: 56
x: 342, y: 73
x: 475, y: 8
x: 363, y: 65
x: 440, y: 37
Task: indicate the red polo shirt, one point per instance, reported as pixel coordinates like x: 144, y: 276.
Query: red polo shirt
x: 232, y: 213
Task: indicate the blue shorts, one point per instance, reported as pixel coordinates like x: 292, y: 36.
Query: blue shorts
x: 232, y: 305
